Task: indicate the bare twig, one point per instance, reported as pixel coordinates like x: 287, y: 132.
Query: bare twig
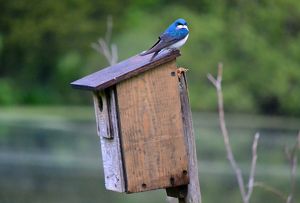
x: 271, y: 189
x: 253, y: 166
x: 293, y: 159
x: 104, y: 47
x: 217, y: 82
x: 291, y: 155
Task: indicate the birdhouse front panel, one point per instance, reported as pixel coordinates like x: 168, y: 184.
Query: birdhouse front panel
x: 151, y: 128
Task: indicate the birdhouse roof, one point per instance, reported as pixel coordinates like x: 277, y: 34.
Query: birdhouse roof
x: 125, y: 69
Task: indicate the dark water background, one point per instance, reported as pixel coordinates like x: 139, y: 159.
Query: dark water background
x: 53, y: 155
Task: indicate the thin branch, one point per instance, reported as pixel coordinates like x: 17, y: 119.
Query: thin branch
x: 293, y: 160
x: 212, y: 79
x: 253, y: 167
x: 271, y: 189
x: 104, y: 47
x: 114, y: 54
x: 291, y: 155
x: 217, y: 82
x: 230, y: 157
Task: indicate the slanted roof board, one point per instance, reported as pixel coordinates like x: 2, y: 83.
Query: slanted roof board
x: 125, y: 69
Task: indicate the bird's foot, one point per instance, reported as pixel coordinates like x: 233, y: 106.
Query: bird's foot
x: 180, y: 71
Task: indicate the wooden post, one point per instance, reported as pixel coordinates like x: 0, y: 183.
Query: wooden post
x: 193, y: 191
x: 187, y: 193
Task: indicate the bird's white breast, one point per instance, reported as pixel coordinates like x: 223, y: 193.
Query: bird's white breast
x: 181, y: 26
x: 179, y: 43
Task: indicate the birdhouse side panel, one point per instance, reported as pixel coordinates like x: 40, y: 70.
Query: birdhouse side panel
x: 153, y: 145
x: 108, y: 131
x: 102, y: 112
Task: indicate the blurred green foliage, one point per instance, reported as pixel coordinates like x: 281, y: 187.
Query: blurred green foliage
x: 46, y: 45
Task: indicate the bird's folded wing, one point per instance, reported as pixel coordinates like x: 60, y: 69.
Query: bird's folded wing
x: 163, y: 42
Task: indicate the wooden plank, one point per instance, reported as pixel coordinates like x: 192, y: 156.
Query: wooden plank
x: 128, y: 68
x: 110, y: 148
x: 102, y: 109
x: 193, y: 193
x: 153, y: 145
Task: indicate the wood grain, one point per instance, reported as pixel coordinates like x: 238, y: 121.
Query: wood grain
x: 128, y: 68
x: 110, y: 145
x: 193, y: 193
x: 153, y: 145
x: 102, y: 109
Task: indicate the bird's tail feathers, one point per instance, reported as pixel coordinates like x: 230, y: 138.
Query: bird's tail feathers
x: 146, y: 52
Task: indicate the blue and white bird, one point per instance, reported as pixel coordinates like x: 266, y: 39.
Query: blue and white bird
x: 172, y: 38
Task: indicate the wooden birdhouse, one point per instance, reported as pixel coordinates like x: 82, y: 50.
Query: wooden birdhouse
x: 142, y: 123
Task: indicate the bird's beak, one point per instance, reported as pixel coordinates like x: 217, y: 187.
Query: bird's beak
x: 181, y: 26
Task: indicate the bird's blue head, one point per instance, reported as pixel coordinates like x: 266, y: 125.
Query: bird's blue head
x: 180, y: 21
x: 178, y: 27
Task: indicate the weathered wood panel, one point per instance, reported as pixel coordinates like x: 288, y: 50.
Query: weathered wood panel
x: 102, y: 109
x: 193, y: 193
x: 153, y: 145
x: 128, y: 68
x: 107, y: 128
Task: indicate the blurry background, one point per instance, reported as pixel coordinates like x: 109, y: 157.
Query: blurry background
x: 48, y: 142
